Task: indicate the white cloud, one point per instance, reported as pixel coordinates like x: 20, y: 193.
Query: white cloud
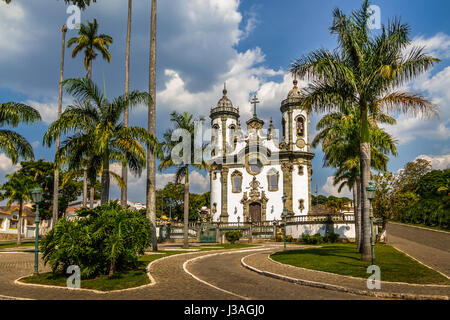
x: 332, y: 190
x: 198, y: 183
x: 408, y: 128
x: 6, y: 167
x: 437, y: 162
x: 438, y: 45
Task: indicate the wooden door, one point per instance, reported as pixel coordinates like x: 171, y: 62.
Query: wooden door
x: 255, y: 212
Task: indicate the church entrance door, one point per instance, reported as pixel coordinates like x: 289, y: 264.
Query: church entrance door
x: 255, y: 212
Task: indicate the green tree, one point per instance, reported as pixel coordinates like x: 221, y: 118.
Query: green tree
x: 17, y: 189
x: 363, y: 73
x: 97, y: 130
x: 90, y: 42
x: 339, y: 136
x: 11, y: 143
x: 183, y: 124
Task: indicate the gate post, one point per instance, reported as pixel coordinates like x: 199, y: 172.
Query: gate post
x: 250, y: 235
x: 218, y: 238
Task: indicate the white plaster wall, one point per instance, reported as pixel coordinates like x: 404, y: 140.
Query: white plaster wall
x: 345, y: 231
x: 274, y: 204
x: 300, y: 190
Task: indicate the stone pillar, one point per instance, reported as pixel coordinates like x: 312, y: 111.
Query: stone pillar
x: 224, y: 136
x: 291, y: 142
x: 309, y: 184
x: 224, y: 209
x: 287, y: 169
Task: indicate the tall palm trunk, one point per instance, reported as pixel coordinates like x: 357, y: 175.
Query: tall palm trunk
x: 151, y: 190
x: 123, y: 195
x: 19, y: 224
x: 85, y: 172
x: 359, y: 211
x: 355, y: 214
x: 92, y: 193
x: 105, y: 179
x: 365, y: 171
x: 58, y: 138
x: 186, y: 209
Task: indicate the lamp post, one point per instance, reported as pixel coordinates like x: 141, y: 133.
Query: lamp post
x: 239, y: 221
x: 371, y: 188
x: 170, y: 204
x: 284, y: 215
x: 36, y: 196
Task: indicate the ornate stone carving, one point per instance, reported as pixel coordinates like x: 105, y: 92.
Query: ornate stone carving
x: 300, y: 143
x: 255, y: 196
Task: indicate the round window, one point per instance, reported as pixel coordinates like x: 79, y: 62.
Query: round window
x: 255, y: 167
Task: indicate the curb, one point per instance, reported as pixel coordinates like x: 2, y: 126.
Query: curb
x: 152, y: 280
x: 385, y: 295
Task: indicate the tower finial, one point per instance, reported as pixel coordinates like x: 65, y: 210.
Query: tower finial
x: 295, y: 80
x: 225, y: 89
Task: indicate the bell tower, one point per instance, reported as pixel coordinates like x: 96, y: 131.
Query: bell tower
x: 295, y: 122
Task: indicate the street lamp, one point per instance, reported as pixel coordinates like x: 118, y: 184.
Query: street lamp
x: 36, y: 196
x: 170, y: 203
x: 371, y: 188
x: 284, y: 215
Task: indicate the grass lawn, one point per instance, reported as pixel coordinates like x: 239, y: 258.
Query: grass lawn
x: 13, y: 244
x: 122, y: 280
x: 345, y: 260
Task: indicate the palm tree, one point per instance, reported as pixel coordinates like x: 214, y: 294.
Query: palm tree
x: 184, y: 122
x: 58, y: 138
x: 151, y: 181
x: 17, y: 189
x: 11, y: 143
x: 89, y: 41
x: 123, y: 196
x: 339, y: 136
x: 97, y: 131
x: 363, y: 73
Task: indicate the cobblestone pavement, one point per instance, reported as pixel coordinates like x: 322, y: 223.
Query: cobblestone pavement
x: 172, y: 282
x: 430, y: 247
x: 226, y: 272
x: 260, y: 261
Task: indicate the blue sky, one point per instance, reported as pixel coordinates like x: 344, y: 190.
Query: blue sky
x: 202, y: 43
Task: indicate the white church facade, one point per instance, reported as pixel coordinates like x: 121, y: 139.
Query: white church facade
x: 248, y: 183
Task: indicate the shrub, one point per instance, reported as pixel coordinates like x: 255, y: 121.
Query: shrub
x: 331, y: 237
x: 315, y: 239
x: 102, y: 241
x: 233, y: 235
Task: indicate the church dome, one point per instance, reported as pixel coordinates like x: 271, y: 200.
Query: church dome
x: 295, y: 91
x: 224, y: 102
x: 224, y: 107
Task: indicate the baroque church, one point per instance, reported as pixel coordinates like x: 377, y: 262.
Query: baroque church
x: 251, y: 172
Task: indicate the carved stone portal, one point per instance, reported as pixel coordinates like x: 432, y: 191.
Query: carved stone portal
x: 254, y: 200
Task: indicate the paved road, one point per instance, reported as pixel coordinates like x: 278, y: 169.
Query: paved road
x: 428, y: 246
x: 173, y: 283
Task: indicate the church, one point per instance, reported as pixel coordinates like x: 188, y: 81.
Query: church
x: 252, y: 169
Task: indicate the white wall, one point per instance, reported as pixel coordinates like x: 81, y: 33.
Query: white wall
x: 300, y: 190
x: 345, y: 231
x: 274, y: 204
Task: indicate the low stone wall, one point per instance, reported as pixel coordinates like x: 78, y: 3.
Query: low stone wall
x: 8, y: 236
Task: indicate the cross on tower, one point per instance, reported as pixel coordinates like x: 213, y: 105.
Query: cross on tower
x: 254, y: 101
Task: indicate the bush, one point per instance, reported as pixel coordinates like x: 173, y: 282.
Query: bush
x: 315, y: 239
x: 331, y: 238
x: 233, y: 235
x: 102, y: 241
x: 318, y: 239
